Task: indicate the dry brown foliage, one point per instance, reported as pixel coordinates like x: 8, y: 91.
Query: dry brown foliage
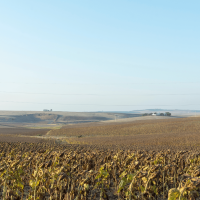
x: 63, y: 172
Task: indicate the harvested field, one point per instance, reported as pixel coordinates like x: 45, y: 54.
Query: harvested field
x: 175, y: 125
x: 23, y: 131
x: 172, y: 133
x: 177, y: 134
x: 145, y: 142
x: 14, y: 138
x: 165, y: 126
x: 58, y: 117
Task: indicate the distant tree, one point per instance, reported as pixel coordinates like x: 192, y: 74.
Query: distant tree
x: 168, y: 113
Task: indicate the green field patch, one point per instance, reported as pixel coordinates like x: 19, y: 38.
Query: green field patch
x: 41, y: 127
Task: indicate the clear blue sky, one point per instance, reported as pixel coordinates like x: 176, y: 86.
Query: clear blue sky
x: 99, y: 55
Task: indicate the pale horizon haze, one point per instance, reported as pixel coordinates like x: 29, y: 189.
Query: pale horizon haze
x: 99, y: 55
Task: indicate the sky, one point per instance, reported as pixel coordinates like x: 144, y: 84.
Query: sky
x: 99, y: 55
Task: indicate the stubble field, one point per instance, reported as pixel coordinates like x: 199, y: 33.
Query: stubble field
x: 179, y: 133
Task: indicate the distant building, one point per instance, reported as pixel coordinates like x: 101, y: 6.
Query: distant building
x: 157, y: 114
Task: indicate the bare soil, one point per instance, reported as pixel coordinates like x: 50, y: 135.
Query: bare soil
x: 15, y: 138
x: 176, y: 134
x: 24, y: 131
x: 159, y: 126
